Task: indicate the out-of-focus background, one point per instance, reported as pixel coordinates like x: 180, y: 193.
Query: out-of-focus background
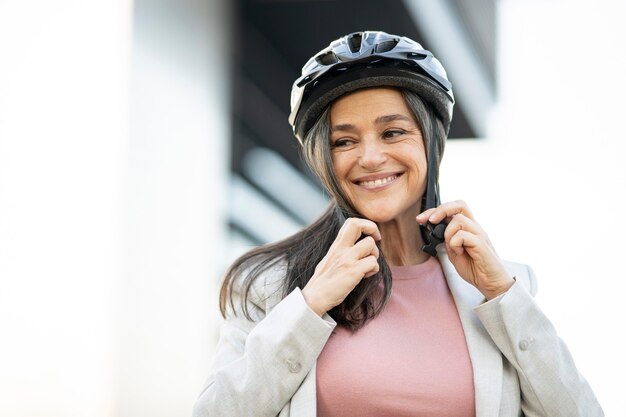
x: 145, y: 144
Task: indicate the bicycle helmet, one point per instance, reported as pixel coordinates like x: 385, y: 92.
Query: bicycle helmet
x: 368, y: 59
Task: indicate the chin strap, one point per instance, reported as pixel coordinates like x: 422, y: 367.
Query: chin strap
x: 432, y: 174
x: 432, y: 234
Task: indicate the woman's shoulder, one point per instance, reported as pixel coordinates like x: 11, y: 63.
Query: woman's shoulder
x: 262, y: 282
x: 524, y: 274
x: 271, y: 280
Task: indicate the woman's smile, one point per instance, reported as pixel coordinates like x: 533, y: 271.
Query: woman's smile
x: 377, y: 182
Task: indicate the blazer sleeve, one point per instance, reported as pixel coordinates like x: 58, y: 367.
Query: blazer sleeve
x: 550, y: 383
x: 260, y: 364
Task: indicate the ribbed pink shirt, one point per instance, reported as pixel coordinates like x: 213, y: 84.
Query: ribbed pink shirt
x: 411, y: 360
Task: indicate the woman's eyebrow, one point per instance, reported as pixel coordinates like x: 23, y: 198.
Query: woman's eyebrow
x: 347, y: 127
x: 390, y: 118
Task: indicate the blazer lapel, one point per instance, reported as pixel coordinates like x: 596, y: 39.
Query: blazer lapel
x: 486, y: 357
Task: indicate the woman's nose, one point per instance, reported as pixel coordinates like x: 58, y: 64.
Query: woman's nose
x: 372, y: 155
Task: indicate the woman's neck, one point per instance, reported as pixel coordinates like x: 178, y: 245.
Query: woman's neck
x: 402, y: 242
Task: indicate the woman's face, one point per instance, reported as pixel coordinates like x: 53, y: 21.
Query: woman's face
x: 378, y: 154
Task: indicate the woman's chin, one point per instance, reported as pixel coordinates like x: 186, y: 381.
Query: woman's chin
x: 379, y: 216
x: 385, y: 214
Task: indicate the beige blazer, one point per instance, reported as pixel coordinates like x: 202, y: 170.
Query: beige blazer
x: 521, y: 367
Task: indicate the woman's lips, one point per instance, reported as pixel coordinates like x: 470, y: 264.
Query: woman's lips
x: 372, y: 183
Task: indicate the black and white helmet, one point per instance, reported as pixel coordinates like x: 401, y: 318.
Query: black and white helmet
x: 368, y: 59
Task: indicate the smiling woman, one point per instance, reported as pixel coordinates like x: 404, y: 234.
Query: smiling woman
x: 313, y: 326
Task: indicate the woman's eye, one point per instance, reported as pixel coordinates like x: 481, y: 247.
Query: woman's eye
x: 393, y: 133
x: 339, y: 143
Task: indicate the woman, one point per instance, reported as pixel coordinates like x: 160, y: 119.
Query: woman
x: 313, y: 326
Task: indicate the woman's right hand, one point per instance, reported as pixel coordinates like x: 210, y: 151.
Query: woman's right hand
x: 346, y: 263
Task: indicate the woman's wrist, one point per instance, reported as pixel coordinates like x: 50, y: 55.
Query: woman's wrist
x: 312, y: 303
x: 498, y: 288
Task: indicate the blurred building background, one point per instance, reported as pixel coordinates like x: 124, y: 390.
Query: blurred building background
x: 144, y: 145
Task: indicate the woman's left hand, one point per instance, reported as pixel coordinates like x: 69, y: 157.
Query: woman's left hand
x: 470, y: 249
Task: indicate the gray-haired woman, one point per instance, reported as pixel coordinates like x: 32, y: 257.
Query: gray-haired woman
x: 391, y: 303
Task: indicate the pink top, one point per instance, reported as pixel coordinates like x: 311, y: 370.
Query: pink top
x: 411, y: 360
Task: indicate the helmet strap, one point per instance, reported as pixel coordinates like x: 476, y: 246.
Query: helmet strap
x: 432, y: 173
x: 432, y: 234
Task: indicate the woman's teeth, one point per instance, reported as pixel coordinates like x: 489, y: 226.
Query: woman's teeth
x: 379, y: 182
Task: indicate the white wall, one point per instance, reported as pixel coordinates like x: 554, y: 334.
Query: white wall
x: 175, y: 214
x: 549, y: 184
x: 64, y: 71
x: 113, y: 175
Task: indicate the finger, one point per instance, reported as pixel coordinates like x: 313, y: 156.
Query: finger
x: 447, y: 210
x: 368, y: 266
x: 354, y: 227
x: 463, y: 240
x: 423, y: 216
x: 461, y: 222
x: 371, y: 273
x: 365, y: 247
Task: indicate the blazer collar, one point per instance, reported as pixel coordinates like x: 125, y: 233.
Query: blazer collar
x: 486, y: 357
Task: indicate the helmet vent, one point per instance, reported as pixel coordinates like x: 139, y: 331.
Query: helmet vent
x: 327, y: 58
x: 354, y: 42
x: 416, y: 55
x: 304, y: 81
x: 386, y: 46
